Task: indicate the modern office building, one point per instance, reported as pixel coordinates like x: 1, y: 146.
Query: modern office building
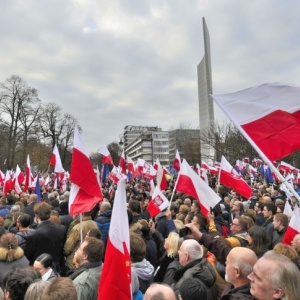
x: 148, y: 143
x: 206, y: 107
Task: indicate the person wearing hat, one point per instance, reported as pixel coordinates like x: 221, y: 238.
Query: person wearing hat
x: 193, y: 289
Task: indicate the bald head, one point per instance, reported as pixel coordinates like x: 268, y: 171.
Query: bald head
x: 239, y: 264
x: 159, y: 292
x: 296, y: 242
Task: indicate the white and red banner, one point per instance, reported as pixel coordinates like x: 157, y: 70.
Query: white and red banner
x: 115, y: 279
x: 256, y: 112
x: 161, y: 180
x: 158, y: 202
x: 293, y: 227
x: 146, y: 169
x: 28, y: 180
x: 212, y: 170
x: 177, y: 161
x: 230, y: 178
x: 55, y: 161
x: 190, y: 183
x: 122, y: 163
x: 85, y: 192
x: 19, y: 179
x: 106, y: 156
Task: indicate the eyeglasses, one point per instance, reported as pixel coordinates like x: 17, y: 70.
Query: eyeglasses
x: 235, y: 224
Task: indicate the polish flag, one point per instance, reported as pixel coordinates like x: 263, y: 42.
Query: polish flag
x: 131, y: 166
x: 286, y: 168
x: 122, y: 163
x: 157, y: 203
x: 298, y: 177
x: 256, y: 111
x: 212, y: 170
x: 28, y: 180
x: 146, y: 169
x: 47, y: 180
x: 55, y: 161
x: 106, y: 156
x: 8, y: 183
x: 190, y: 183
x: 2, y: 177
x: 177, y: 161
x: 85, y: 192
x: 293, y: 227
x: 116, y: 175
x: 115, y: 278
x: 161, y: 180
x: 202, y: 173
x: 230, y: 178
x: 19, y: 179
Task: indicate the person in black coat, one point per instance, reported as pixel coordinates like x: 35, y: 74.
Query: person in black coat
x: 47, y: 238
x: 29, y: 209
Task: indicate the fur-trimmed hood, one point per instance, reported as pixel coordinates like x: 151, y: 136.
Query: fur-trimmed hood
x: 19, y: 253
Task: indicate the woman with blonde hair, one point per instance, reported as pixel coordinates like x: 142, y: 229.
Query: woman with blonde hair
x: 11, y: 255
x: 168, y: 263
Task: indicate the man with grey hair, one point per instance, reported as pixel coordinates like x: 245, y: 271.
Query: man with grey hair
x: 193, y: 265
x: 239, y: 264
x: 274, y: 276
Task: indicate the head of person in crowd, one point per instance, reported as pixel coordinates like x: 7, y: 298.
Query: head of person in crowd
x: 258, y: 240
x: 44, y: 264
x: 9, y: 248
x: 137, y: 247
x: 280, y: 221
x: 189, y: 251
x: 258, y: 207
x: 159, y: 292
x: 188, y: 202
x: 199, y: 221
x: 239, y: 264
x: 36, y: 289
x: 250, y: 213
x: 274, y: 276
x: 134, y: 207
x: 269, y: 210
x: 195, y: 207
x: 16, y: 283
x: 23, y: 221
x: 239, y: 224
x: 32, y: 198
x: 237, y: 208
x: 174, y: 210
x: 94, y: 232
x: 288, y: 251
x: 193, y: 289
x: 42, y: 212
x: 266, y: 198
x: 15, y: 208
x: 188, y: 218
x: 184, y: 209
x: 296, y: 242
x: 61, y: 288
x: 172, y: 244
x: 91, y: 250
x: 180, y: 217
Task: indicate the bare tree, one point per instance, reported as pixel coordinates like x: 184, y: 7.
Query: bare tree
x: 16, y: 98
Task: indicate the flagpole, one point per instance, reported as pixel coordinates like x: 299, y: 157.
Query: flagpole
x: 173, y: 192
x: 266, y: 160
x: 81, y: 238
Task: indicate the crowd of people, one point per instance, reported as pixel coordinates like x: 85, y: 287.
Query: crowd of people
x: 235, y: 252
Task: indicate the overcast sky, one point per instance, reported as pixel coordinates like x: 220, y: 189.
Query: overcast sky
x: 120, y: 62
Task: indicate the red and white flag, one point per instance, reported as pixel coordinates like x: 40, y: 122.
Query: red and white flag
x: 285, y: 168
x: 256, y: 111
x: 177, y: 161
x: 55, y: 161
x: 230, y: 178
x: 106, y: 156
x: 8, y: 183
x: 122, y: 163
x: 131, y: 166
x: 161, y: 180
x: 158, y: 202
x: 28, y: 180
x: 293, y: 227
x: 146, y: 169
x: 2, y: 177
x: 190, y: 183
x: 116, y: 273
x: 19, y: 179
x: 212, y: 170
x: 116, y: 174
x: 85, y: 192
